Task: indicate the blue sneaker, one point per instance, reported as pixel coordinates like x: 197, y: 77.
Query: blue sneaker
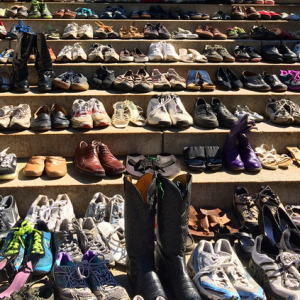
x: 115, y: 210
x: 6, y: 56
x: 16, y: 29
x: 107, y: 13
x: 119, y: 12
x: 207, y: 271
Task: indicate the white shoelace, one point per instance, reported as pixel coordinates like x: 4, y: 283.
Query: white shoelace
x: 120, y: 244
x: 83, y: 108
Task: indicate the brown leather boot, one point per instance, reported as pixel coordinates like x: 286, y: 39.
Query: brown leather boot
x: 86, y: 159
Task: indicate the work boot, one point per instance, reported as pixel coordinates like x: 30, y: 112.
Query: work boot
x: 173, y: 203
x: 139, y: 235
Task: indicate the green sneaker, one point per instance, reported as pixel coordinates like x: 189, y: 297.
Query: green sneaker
x: 51, y: 34
x: 242, y: 33
x: 46, y: 14
x: 34, y: 11
x: 232, y: 33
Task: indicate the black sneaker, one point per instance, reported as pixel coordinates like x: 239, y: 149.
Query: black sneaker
x: 254, y: 81
x: 274, y: 82
x: 241, y: 54
x: 64, y: 80
x: 254, y: 55
x: 103, y: 78
x: 271, y: 53
x: 288, y: 55
x: 8, y: 165
x: 163, y: 31
x: 262, y: 33
x: 150, y: 31
x: 203, y: 115
x: 59, y: 119
x: 225, y: 117
x: 41, y: 119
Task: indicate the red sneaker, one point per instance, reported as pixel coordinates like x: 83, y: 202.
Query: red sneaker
x: 2, y: 31
x: 274, y: 15
x: 265, y: 15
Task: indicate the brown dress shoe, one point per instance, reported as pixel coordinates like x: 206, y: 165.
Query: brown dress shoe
x: 55, y: 166
x: 111, y: 165
x: 58, y: 14
x: 238, y: 13
x: 69, y: 14
x: 86, y: 159
x: 35, y: 166
x: 204, y: 32
x: 252, y: 14
x: 217, y: 34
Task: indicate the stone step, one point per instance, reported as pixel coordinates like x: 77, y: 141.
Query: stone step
x: 217, y: 186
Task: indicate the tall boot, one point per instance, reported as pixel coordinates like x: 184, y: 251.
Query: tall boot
x: 172, y: 219
x: 140, y: 201
x: 43, y: 64
x: 22, y: 51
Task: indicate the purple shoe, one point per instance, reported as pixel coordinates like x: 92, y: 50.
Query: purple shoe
x: 249, y: 158
x: 291, y: 79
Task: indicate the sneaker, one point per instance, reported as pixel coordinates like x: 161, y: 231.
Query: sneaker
x: 103, y: 78
x: 126, y: 56
x: 155, y: 52
x: 262, y: 33
x: 162, y: 31
x: 150, y: 31
x: 34, y: 10
x: 79, y: 83
x: 224, y: 53
x: 178, y: 114
x: 242, y: 33
x: 97, y: 208
x: 3, y: 31
x: 78, y: 53
x: 20, y: 117
x: 99, y: 114
x: 212, y: 54
x: 81, y: 114
x: 157, y: 112
x: 110, y: 54
x: 232, y: 33
x: 241, y: 54
x: 292, y: 108
x: 296, y: 50
x: 45, y: 13
x: 8, y: 165
x: 64, y: 80
x: 203, y: 114
x: 277, y: 113
x: 189, y: 34
x: 241, y: 111
x: 9, y: 215
x: 38, y: 209
x: 169, y: 52
x: 254, y: 55
x: 274, y: 270
x: 121, y: 117
x: 142, y: 82
x: 5, y: 114
x: 85, y: 32
x: 177, y: 82
x: 69, y: 281
x: 139, y: 56
x: 160, y: 82
x: 65, y: 55
x: 70, y: 32
x: 124, y: 82
x: 101, y: 280
x: 96, y: 54
x: 115, y: 210
x: 6, y: 56
x: 206, y: 268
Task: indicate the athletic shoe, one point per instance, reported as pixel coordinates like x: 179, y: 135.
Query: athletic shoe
x: 45, y: 13
x: 34, y: 12
x: 99, y: 114
x: 81, y: 114
x: 96, y: 54
x: 155, y: 52
x: 8, y: 165
x: 38, y: 209
x: 64, y: 80
x: 20, y: 117
x: 160, y: 81
x: 78, y: 53
x: 206, y: 268
x: 9, y: 215
x: 79, y: 82
x: 115, y: 210
x: 101, y: 280
x: 97, y: 208
x: 6, y: 56
x: 5, y: 114
x: 169, y: 52
x: 110, y: 54
x: 296, y: 50
x: 69, y: 282
x: 3, y: 31
x: 239, y: 277
x: 65, y: 55
x: 70, y: 31
x: 85, y: 32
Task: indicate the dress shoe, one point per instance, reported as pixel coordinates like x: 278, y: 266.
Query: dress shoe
x: 254, y: 81
x: 55, y: 166
x: 59, y: 117
x: 222, y: 79
x: 41, y: 119
x: 203, y: 114
x: 35, y: 166
x: 288, y: 55
x: 86, y: 159
x: 271, y: 53
x: 225, y: 117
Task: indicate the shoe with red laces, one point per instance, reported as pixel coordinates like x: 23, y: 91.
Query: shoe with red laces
x: 3, y: 31
x: 99, y: 114
x: 81, y: 115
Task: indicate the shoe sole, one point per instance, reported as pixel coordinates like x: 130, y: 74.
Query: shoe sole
x: 155, y: 58
x: 126, y: 59
x: 19, y: 127
x: 161, y: 124
x: 9, y: 176
x: 62, y: 85
x: 79, y: 87
x: 91, y: 174
x: 182, y: 124
x: 255, y: 59
x: 141, y: 59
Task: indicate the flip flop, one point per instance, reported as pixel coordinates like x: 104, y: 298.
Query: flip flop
x: 137, y: 165
x: 167, y: 165
x: 295, y: 152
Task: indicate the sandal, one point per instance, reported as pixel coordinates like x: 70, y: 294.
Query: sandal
x: 135, y: 33
x: 121, y: 116
x: 205, y: 81
x: 295, y: 152
x: 135, y: 111
x: 184, y: 56
x: 193, y: 81
x: 124, y: 33
x: 267, y: 160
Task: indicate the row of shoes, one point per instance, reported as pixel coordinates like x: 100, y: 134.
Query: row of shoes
x: 250, y: 13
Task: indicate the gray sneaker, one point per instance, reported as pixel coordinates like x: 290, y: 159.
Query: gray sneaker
x: 66, y: 240
x: 91, y: 240
x: 9, y: 215
x: 115, y: 211
x: 277, y: 113
x: 224, y: 53
x: 290, y: 241
x: 97, y: 208
x: 212, y: 54
x: 275, y: 270
x: 101, y: 281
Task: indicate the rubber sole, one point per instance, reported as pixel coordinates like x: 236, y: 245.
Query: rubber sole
x: 61, y: 84
x: 91, y: 174
x: 9, y: 176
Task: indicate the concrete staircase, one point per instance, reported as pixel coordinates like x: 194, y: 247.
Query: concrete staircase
x: 208, y: 188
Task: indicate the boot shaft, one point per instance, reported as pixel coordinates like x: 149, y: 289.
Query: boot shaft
x: 43, y: 59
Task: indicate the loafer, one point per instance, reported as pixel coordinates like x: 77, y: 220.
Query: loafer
x: 235, y: 82
x: 41, y: 119
x: 35, y: 166
x: 55, y: 166
x: 203, y: 114
x: 222, y: 79
x: 59, y: 117
x: 288, y: 55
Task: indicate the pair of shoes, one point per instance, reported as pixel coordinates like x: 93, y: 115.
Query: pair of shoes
x: 262, y: 33
x: 8, y: 165
x: 291, y: 79
x: 217, y: 53
x: 211, y: 116
x: 55, y: 166
x: 269, y: 15
x: 64, y: 13
x: 103, y: 53
x: 227, y: 80
x: 246, y: 53
x: 140, y: 14
x: 125, y: 112
x: 136, y: 55
x: 71, y: 53
x: 210, y: 32
x: 104, y: 31
x: 158, y: 12
x: 45, y: 118
x: 156, y: 31
x: 17, y: 11
x: 282, y: 111
x: 167, y: 110
x: 85, y: 13
x: 255, y: 82
x: 252, y: 116
x: 86, y: 114
x: 51, y: 34
x: 220, y: 15
x: 203, y: 157
x: 140, y: 82
x: 237, y: 33
x: 95, y: 159
x: 162, y: 51
x: 131, y: 33
x: 199, y: 79
x: 15, y: 117
x: 191, y: 55
x: 7, y: 55
x: 115, y: 12
x: 73, y: 31
x: 183, y: 34
x: 39, y: 10
x: 241, y: 13
x: 71, y: 81
x: 278, y: 53
x: 169, y: 80
x: 103, y: 78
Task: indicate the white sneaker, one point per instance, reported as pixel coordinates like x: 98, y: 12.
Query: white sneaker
x: 241, y: 111
x: 115, y: 211
x: 96, y: 53
x: 20, y: 117
x: 189, y: 34
x: 81, y: 115
x: 97, y: 208
x: 169, y: 52
x: 284, y: 16
x: 178, y: 35
x: 3, y: 13
x: 65, y: 55
x: 296, y: 50
x: 78, y: 53
x: 5, y: 114
x: 155, y: 52
x: 7, y: 55
x: 99, y: 114
x: 157, y: 112
x: 85, y: 32
x: 38, y: 209
x: 70, y: 31
x: 178, y: 114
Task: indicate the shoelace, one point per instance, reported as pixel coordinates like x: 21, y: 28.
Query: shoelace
x: 120, y: 243
x: 94, y: 105
x: 65, y: 50
x: 84, y: 108
x: 217, y: 272
x: 160, y: 106
x: 54, y: 207
x: 67, y: 244
x: 176, y: 102
x: 68, y: 75
x: 280, y: 108
x: 6, y: 159
x: 117, y: 211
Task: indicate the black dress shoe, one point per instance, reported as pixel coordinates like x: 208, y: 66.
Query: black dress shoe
x: 45, y: 81
x: 41, y: 119
x: 254, y: 81
x: 235, y: 82
x: 271, y: 53
x: 194, y: 158
x: 203, y: 115
x: 288, y: 55
x: 274, y: 82
x: 182, y: 14
x: 224, y: 116
x: 162, y: 13
x: 222, y: 79
x: 213, y: 157
x: 174, y: 14
x: 59, y: 117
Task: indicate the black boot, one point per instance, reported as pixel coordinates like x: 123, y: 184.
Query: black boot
x: 43, y: 64
x: 22, y: 51
x: 172, y: 230
x: 140, y: 201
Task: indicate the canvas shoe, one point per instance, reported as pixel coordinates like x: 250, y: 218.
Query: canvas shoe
x: 169, y: 52
x: 97, y: 208
x: 160, y: 81
x: 96, y: 53
x: 157, y: 114
x: 45, y: 13
x: 155, y: 52
x: 9, y: 215
x: 296, y: 50
x: 110, y: 54
x: 99, y: 114
x: 34, y: 10
x: 20, y: 117
x: 81, y: 114
x: 78, y: 53
x: 65, y: 55
x: 64, y: 80
x: 70, y: 31
x: 178, y: 114
x: 126, y: 55
x: 241, y: 111
x: 79, y: 82
x: 6, y: 56
x: 5, y: 114
x: 85, y: 32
